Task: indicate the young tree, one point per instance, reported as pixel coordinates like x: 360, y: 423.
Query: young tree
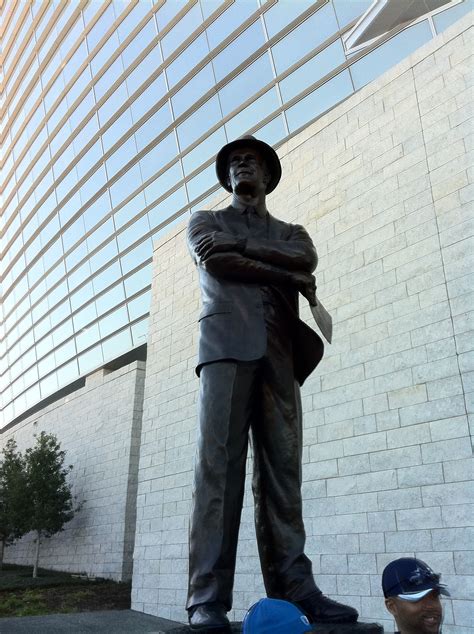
x: 51, y: 503
x: 13, y: 493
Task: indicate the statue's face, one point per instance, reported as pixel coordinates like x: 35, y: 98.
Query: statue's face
x: 420, y: 617
x: 247, y: 171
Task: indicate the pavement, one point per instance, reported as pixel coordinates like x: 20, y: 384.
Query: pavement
x: 106, y: 622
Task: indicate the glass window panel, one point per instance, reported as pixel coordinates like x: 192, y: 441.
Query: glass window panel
x: 82, y: 110
x: 153, y: 126
x: 129, y: 210
x: 139, y: 254
x: 238, y: 50
x: 105, y: 53
x: 148, y: 98
x: 140, y: 332
x: 79, y: 275
x: 252, y: 114
x: 58, y: 294
x: 100, y: 27
x: 201, y: 182
x: 158, y: 157
x: 109, y: 276
x: 81, y: 82
x: 117, y: 130
x: 163, y: 183
x: 68, y: 182
x: 284, y: 12
x: 91, y: 359
x: 389, y: 54
x: 133, y: 233
x: 228, y: 21
x: 199, y: 122
x: 110, y: 76
x: 313, y: 70
x: 246, y: 84
x: 180, y: 31
x: 87, y: 337
x: 90, y: 158
x: 98, y: 210
x: 168, y: 207
x: 117, y: 345
x: 74, y: 233
x: 76, y: 255
x: 68, y: 373
x: 86, y: 134
x: 139, y: 306
x: 65, y: 352
x: 451, y: 15
x: 113, y: 103
x: 319, y: 101
x: 133, y: 18
x: 93, y: 184
x: 104, y: 255
x: 114, y: 321
x: 111, y: 298
x: 125, y: 185
x: 48, y: 385
x: 138, y: 280
x: 62, y: 332
x: 100, y: 235
x: 310, y: 34
x: 167, y: 12
x: 193, y: 90
x: 141, y: 40
x: 87, y: 314
x: 122, y: 155
x: 46, y: 365
x: 204, y: 151
x: 74, y: 62
x: 187, y: 60
x: 144, y: 69
x: 81, y: 296
x: 36, y: 293
x: 348, y: 11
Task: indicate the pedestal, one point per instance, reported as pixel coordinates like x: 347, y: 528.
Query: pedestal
x: 352, y: 628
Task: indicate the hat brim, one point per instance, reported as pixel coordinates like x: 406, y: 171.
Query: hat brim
x: 413, y: 597
x: 267, y: 152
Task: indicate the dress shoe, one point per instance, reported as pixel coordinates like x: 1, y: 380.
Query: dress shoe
x: 321, y: 609
x: 209, y: 616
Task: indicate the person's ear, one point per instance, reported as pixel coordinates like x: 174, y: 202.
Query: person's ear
x: 391, y: 605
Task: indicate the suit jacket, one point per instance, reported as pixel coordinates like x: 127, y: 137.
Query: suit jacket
x: 232, y: 324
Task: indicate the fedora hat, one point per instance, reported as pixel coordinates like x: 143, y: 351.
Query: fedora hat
x: 266, y: 151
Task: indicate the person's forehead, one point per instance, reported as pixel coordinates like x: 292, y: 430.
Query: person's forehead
x: 245, y: 150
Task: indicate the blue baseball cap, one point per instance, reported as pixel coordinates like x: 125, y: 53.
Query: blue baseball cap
x: 272, y: 616
x: 410, y: 579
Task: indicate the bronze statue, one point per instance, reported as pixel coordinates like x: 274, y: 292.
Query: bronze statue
x: 254, y: 353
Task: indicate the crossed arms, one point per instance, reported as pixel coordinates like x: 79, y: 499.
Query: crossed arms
x: 251, y: 260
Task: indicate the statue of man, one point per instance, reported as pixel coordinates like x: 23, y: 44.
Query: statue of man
x: 254, y: 353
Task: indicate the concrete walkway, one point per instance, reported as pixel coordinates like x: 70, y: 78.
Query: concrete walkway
x: 106, y: 622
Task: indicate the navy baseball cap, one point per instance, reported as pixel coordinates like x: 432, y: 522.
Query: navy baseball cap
x: 410, y: 579
x: 272, y: 616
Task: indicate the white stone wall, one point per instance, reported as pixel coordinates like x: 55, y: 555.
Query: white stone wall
x: 99, y: 426
x: 383, y: 184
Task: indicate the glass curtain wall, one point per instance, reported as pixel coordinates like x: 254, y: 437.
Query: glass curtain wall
x: 112, y: 115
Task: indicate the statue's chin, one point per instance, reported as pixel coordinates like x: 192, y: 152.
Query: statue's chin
x: 245, y: 188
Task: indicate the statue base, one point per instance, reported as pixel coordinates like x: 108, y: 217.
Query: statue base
x: 347, y: 628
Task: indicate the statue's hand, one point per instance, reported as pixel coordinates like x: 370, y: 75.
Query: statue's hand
x: 306, y: 285
x: 216, y: 242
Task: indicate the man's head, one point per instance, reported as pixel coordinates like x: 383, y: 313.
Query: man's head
x: 411, y: 591
x: 246, y: 163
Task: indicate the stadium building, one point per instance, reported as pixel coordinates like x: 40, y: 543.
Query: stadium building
x: 112, y: 114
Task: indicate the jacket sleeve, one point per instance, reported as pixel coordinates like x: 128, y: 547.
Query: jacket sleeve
x: 296, y: 253
x: 231, y: 265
